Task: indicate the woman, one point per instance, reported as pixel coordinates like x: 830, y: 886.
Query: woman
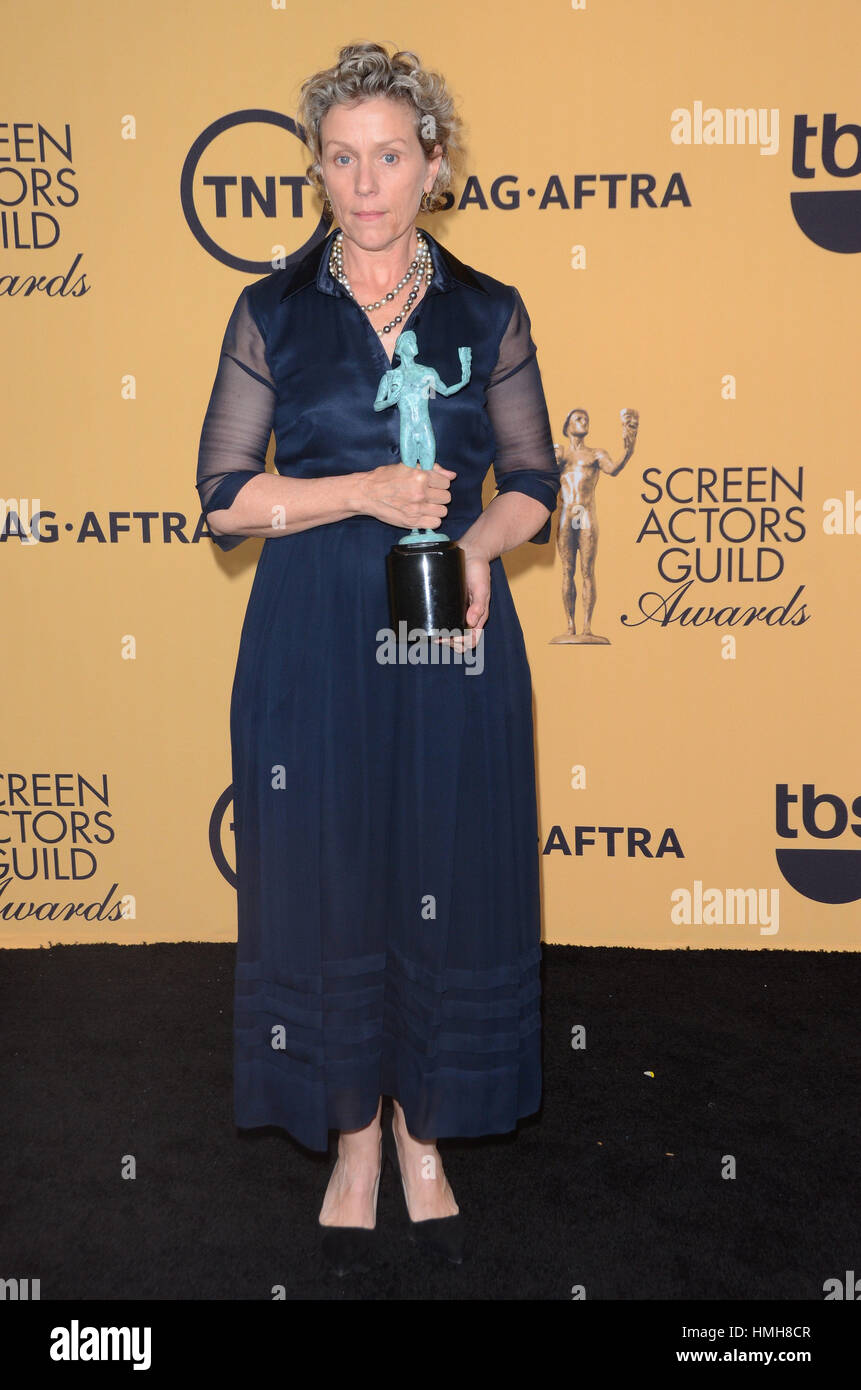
x: 385, y: 816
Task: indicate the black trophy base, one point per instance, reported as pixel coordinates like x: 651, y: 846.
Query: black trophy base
x: 427, y: 586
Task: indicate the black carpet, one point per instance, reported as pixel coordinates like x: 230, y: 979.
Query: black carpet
x: 615, y: 1186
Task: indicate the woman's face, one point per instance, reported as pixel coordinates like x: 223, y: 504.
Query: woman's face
x: 374, y: 168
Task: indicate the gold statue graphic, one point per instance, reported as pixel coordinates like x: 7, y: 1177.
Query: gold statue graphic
x: 579, y: 470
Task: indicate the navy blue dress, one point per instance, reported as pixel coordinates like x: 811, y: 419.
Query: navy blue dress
x: 385, y: 814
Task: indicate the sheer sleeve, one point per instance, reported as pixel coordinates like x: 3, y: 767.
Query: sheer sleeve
x: 238, y: 420
x: 525, y: 460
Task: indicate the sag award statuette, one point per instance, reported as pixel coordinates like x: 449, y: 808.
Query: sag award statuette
x: 426, y: 576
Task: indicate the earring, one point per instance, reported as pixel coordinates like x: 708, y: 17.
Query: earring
x: 425, y: 203
x: 327, y: 206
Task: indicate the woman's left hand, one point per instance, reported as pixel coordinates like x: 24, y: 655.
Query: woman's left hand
x: 477, y: 570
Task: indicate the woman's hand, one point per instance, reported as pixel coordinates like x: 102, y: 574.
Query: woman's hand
x: 477, y: 569
x: 402, y: 496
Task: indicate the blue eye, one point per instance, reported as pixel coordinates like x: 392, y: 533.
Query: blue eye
x: 394, y: 156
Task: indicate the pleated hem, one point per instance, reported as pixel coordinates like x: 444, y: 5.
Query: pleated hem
x: 460, y: 1051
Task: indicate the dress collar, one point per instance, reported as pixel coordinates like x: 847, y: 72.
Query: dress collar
x: 314, y: 268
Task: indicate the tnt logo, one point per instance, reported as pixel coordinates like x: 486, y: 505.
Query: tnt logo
x: 221, y: 840
x: 824, y: 875
x: 243, y: 182
x: 830, y: 217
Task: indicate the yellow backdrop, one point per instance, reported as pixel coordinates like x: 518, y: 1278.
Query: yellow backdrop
x: 641, y: 172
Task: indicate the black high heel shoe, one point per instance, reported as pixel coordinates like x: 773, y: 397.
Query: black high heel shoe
x: 348, y: 1249
x: 439, y: 1235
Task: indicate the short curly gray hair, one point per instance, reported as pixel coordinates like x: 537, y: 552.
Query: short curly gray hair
x: 366, y: 70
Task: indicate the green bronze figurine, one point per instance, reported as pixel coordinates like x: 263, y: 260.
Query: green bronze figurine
x: 409, y: 387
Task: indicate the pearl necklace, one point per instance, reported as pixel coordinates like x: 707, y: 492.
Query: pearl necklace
x: 421, y: 265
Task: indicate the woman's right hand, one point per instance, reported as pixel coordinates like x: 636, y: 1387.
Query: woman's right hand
x: 403, y: 496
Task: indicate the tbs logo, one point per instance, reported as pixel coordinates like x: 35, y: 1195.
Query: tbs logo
x: 831, y: 217
x: 824, y: 875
